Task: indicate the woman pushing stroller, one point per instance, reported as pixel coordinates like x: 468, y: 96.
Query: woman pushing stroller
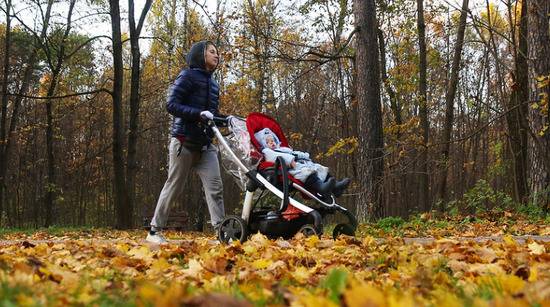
x: 313, y: 175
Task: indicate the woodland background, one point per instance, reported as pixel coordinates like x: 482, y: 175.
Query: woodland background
x: 426, y: 105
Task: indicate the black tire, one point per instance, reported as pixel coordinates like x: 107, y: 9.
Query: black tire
x: 343, y: 229
x: 232, y: 228
x: 309, y: 230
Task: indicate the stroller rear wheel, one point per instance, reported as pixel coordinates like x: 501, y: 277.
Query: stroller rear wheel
x: 232, y: 228
x: 309, y: 230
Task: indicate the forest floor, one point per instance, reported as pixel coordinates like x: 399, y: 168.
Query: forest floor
x: 497, y: 259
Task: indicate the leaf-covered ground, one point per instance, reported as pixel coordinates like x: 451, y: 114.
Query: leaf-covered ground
x: 376, y: 268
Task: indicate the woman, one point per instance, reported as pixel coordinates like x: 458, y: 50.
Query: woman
x: 192, y: 100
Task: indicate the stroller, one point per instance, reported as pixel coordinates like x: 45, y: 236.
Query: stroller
x: 242, y: 158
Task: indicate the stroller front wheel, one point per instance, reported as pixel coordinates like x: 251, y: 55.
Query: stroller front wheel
x: 232, y: 228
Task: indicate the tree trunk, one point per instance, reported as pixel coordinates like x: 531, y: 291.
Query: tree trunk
x: 449, y: 100
x: 423, y: 195
x: 539, y: 95
x: 134, y: 111
x: 516, y: 118
x: 4, y: 110
x: 51, y: 188
x: 259, y: 57
x: 371, y: 139
x: 394, y: 104
x: 119, y: 188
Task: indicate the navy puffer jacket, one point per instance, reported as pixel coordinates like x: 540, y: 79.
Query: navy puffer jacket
x: 193, y: 91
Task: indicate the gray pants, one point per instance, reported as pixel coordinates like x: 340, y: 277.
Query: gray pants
x: 205, y: 163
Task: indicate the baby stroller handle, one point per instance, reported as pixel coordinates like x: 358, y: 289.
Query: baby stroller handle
x: 222, y: 121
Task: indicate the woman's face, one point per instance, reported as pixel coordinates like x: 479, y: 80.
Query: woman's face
x: 211, y: 58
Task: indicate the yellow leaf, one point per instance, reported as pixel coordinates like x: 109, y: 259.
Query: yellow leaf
x: 312, y: 299
x: 512, y: 284
x: 259, y: 239
x: 217, y: 283
x: 85, y: 297
x: 487, y: 254
x: 194, y: 269
x: 533, y: 274
x: 249, y: 250
x: 261, y: 264
x: 160, y: 265
x: 446, y: 298
x: 123, y: 247
x: 368, y: 240
x: 542, y: 131
x: 508, y: 240
x: 149, y: 292
x: 141, y: 252
x: 301, y: 274
x: 23, y: 300
x: 311, y: 241
x: 364, y: 295
x: 536, y: 249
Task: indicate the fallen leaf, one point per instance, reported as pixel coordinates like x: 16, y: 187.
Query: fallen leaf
x: 536, y: 249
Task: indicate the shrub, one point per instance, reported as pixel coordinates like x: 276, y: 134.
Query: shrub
x: 482, y: 198
x: 390, y: 222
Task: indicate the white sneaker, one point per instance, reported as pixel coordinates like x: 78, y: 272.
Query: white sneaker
x: 157, y: 238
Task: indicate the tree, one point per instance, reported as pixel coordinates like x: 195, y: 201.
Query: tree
x: 6, y: 139
x: 450, y: 98
x: 518, y: 107
x: 126, y: 216
x: 371, y: 138
x: 55, y: 63
x: 424, y: 189
x: 119, y: 181
x: 4, y: 109
x: 539, y: 95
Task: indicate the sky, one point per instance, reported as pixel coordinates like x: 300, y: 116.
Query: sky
x: 95, y: 25
x: 99, y: 24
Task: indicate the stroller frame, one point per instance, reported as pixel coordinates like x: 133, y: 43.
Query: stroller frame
x: 235, y: 227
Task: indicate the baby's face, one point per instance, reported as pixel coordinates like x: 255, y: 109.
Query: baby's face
x: 270, y: 142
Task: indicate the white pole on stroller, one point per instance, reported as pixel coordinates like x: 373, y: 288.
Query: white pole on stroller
x: 247, y: 205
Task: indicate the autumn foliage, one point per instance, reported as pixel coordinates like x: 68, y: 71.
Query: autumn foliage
x: 95, y: 267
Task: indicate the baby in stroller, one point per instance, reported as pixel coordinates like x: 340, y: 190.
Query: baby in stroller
x: 313, y: 175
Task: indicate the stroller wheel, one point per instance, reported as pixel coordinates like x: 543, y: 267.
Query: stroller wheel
x: 309, y: 230
x: 343, y: 229
x: 232, y: 228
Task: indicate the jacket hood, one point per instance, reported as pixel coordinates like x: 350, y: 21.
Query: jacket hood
x: 261, y: 137
x: 195, y: 57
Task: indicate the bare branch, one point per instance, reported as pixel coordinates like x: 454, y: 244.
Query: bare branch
x: 62, y: 96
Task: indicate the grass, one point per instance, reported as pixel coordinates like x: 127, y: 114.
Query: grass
x: 418, y: 225
x: 435, y: 224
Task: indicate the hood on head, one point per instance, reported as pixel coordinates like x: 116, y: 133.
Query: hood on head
x: 195, y: 57
x: 262, y: 135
